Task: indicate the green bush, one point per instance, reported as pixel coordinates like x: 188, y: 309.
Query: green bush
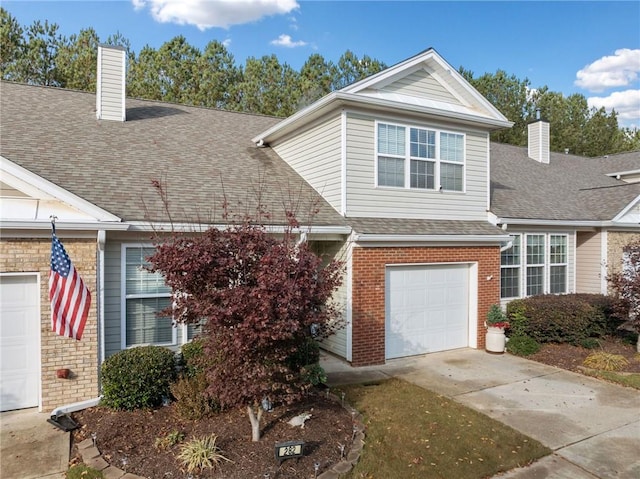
x: 192, y: 357
x: 138, y: 377
x: 522, y: 345
x: 590, y: 343
x: 569, y: 318
x: 307, y: 353
x: 192, y: 401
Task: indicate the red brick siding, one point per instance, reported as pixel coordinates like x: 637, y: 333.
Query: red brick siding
x: 81, y: 357
x: 368, y: 297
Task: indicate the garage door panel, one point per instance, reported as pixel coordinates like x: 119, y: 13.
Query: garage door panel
x: 19, y: 342
x: 427, y: 309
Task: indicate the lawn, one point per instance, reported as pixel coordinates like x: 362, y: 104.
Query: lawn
x: 415, y: 433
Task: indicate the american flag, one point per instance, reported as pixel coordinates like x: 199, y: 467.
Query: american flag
x: 70, y: 298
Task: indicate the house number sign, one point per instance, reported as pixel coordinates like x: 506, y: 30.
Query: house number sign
x: 289, y: 450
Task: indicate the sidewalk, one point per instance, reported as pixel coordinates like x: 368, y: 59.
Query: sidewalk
x: 592, y: 426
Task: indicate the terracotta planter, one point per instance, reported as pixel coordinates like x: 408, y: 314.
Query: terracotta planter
x: 63, y: 373
x: 495, y: 340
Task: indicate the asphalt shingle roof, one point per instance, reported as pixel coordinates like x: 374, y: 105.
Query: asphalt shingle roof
x: 568, y: 188
x: 203, y: 156
x: 409, y: 227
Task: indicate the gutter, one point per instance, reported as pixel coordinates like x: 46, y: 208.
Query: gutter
x: 60, y: 418
x: 63, y: 225
x: 565, y: 223
x: 429, y: 239
x: 190, y: 227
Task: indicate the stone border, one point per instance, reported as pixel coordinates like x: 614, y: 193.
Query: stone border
x: 91, y: 455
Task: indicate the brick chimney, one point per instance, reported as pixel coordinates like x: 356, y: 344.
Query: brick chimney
x: 539, y: 140
x: 110, y: 91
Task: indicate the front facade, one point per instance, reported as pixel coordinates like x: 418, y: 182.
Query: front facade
x: 394, y: 175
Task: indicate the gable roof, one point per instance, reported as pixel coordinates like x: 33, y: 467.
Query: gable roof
x: 458, y: 100
x: 203, y: 156
x: 569, y: 188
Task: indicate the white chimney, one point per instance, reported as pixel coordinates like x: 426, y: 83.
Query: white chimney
x: 539, y: 141
x: 110, y: 91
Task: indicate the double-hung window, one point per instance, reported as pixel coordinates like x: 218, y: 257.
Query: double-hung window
x: 536, y: 263
x: 419, y: 158
x: 144, y: 295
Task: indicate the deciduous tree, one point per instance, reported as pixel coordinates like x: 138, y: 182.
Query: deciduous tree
x: 625, y: 284
x: 262, y: 298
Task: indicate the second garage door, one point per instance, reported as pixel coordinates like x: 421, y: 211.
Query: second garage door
x: 427, y: 309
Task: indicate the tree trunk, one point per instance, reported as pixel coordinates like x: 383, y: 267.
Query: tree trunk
x: 254, y: 417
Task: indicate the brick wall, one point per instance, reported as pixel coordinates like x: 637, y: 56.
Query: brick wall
x: 368, y: 301
x: 81, y: 357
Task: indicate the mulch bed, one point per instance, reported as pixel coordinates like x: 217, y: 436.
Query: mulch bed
x: 127, y: 439
x: 570, y: 357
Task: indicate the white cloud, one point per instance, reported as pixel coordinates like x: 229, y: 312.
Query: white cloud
x: 626, y: 103
x: 220, y: 13
x: 285, y: 41
x: 618, y: 70
x: 226, y: 42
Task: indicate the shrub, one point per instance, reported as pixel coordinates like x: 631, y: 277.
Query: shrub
x: 192, y: 400
x: 590, y: 343
x: 200, y: 453
x: 522, y: 345
x: 138, y: 377
x: 496, y: 317
x: 566, y: 318
x: 314, y: 374
x: 192, y: 357
x: 307, y: 353
x: 171, y: 439
x: 605, y: 361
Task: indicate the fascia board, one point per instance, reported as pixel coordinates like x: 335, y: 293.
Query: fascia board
x: 52, y: 190
x: 340, y: 99
x: 165, y: 227
x: 565, y: 223
x: 63, y: 225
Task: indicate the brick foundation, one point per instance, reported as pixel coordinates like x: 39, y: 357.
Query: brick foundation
x: 80, y: 357
x: 368, y: 301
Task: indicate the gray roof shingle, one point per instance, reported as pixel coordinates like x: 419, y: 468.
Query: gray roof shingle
x: 572, y: 188
x: 410, y: 227
x: 203, y: 156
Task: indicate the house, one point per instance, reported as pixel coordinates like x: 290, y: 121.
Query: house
x: 390, y: 174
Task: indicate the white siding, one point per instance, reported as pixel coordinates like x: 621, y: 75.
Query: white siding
x: 110, y: 91
x: 422, y: 85
x: 588, y: 262
x: 364, y: 199
x: 315, y: 154
x: 336, y: 343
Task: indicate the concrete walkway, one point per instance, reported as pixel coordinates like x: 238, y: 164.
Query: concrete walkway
x: 31, y: 448
x: 592, y: 426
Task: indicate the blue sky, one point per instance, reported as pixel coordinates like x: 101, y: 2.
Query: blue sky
x: 592, y: 48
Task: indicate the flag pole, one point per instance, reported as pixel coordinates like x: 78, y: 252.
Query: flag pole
x: 53, y: 219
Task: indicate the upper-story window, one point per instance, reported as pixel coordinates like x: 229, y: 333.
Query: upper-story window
x: 421, y: 158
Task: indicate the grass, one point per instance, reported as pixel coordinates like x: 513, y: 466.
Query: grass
x: 630, y: 380
x: 415, y: 433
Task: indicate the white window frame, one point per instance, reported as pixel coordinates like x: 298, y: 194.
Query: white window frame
x: 546, y: 265
x: 513, y: 266
x: 124, y: 297
x: 407, y: 158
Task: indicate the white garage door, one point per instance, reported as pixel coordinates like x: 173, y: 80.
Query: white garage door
x: 19, y: 342
x: 427, y: 309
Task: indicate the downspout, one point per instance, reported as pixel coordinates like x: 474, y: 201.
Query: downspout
x: 58, y: 416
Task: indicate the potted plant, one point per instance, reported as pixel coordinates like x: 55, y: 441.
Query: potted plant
x: 496, y: 323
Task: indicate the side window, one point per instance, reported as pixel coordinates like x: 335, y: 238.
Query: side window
x: 145, y: 294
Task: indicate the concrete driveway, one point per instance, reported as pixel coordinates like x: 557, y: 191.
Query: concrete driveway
x: 592, y: 426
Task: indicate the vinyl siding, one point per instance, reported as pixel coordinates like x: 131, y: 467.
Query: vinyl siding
x: 111, y: 87
x: 315, y: 154
x: 422, y: 85
x: 364, y: 199
x: 588, y: 262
